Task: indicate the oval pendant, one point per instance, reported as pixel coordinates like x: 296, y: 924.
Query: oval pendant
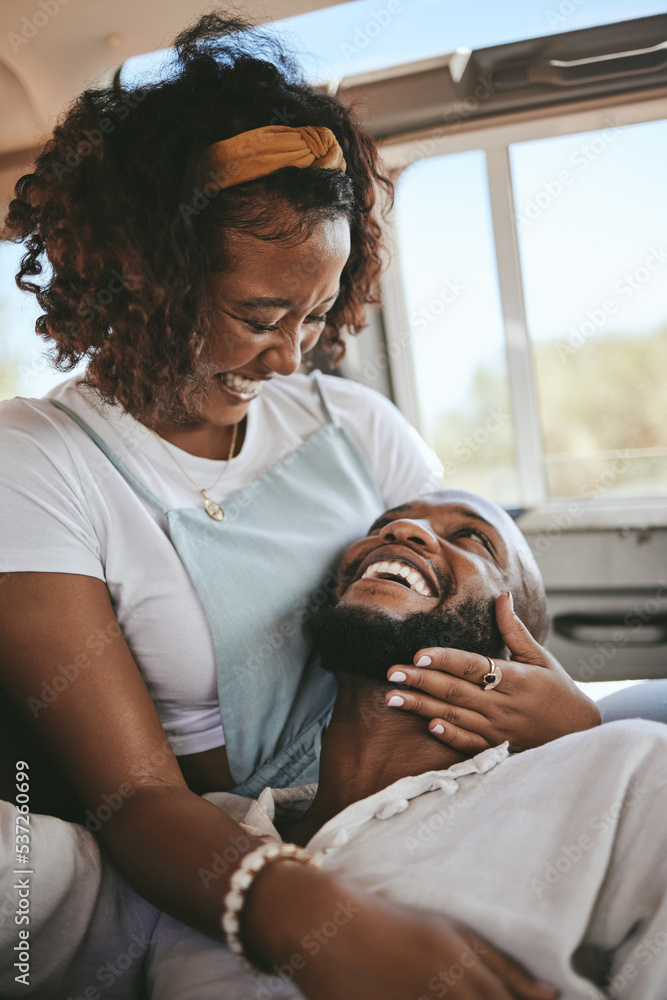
x: 214, y: 509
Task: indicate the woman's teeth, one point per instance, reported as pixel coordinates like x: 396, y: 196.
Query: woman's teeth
x: 244, y: 386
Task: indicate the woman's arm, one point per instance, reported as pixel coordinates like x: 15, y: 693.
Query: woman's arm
x: 177, y: 849
x: 69, y: 671
x: 535, y: 702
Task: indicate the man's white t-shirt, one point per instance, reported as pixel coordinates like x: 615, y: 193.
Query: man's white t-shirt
x: 64, y: 508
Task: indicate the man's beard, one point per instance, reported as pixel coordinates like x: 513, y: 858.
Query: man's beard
x: 366, y: 642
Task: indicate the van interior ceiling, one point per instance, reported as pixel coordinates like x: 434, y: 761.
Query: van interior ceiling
x: 556, y: 409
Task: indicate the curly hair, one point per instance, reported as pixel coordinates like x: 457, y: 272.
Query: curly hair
x: 116, y: 211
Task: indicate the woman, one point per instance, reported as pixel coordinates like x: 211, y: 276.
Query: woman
x: 170, y: 522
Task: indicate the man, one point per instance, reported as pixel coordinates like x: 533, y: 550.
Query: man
x: 555, y: 855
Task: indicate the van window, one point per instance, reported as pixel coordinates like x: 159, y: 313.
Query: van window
x: 448, y: 267
x: 571, y: 228
x: 592, y: 224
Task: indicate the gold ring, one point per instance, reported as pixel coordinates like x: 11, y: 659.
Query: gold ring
x: 493, y: 677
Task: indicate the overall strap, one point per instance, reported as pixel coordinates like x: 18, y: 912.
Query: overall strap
x: 323, y: 399
x: 113, y: 458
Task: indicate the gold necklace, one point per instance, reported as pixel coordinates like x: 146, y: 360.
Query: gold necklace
x: 212, y: 508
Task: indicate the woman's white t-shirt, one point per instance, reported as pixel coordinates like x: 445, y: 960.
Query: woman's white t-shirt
x: 64, y: 508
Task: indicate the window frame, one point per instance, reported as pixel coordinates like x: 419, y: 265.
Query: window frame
x: 493, y: 137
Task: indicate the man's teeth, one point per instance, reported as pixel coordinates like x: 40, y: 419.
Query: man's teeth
x: 245, y: 386
x: 411, y: 575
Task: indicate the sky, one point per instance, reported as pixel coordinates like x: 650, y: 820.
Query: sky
x: 336, y: 41
x: 443, y: 212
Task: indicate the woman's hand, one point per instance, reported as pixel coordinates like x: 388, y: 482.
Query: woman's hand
x: 379, y: 951
x: 535, y: 701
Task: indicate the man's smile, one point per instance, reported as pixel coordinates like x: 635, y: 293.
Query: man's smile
x: 400, y: 565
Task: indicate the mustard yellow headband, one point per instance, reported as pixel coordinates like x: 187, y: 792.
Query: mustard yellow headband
x: 262, y: 151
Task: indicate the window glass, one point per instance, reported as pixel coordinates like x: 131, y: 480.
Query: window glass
x: 365, y: 35
x: 449, y: 272
x: 592, y: 222
x: 25, y: 369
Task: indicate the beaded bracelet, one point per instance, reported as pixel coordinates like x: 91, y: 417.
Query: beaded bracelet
x: 240, y: 882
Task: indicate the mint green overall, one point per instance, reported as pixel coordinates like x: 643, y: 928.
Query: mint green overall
x: 260, y: 575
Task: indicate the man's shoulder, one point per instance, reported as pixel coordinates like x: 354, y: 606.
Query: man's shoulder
x: 607, y: 748
x: 621, y: 732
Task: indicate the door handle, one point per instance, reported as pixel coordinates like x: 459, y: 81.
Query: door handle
x: 592, y: 627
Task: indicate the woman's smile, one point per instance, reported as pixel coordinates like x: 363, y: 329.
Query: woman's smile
x: 238, y: 388
x: 271, y: 303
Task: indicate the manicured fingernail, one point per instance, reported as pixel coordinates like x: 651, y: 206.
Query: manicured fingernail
x: 509, y: 594
x: 552, y: 991
x: 438, y: 729
x: 398, y: 677
x: 396, y: 701
x: 424, y: 661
